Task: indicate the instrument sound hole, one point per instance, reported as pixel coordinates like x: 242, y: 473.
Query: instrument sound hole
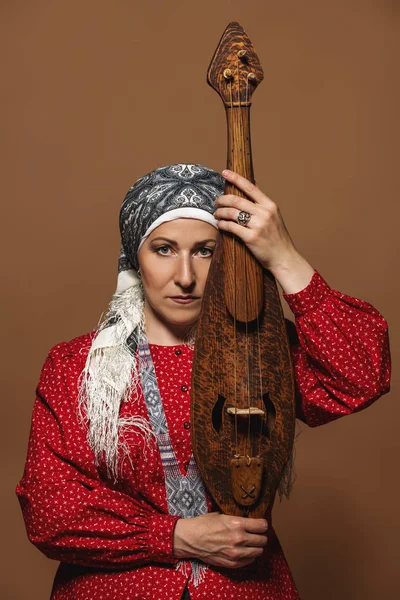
x: 269, y: 422
x: 217, y: 413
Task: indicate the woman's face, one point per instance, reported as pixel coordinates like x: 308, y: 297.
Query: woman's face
x: 174, y: 262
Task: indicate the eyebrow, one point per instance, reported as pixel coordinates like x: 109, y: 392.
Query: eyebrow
x: 174, y: 242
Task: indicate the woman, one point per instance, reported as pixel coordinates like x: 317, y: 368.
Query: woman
x: 97, y: 492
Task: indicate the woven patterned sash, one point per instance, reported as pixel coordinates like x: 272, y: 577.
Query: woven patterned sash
x: 186, y: 495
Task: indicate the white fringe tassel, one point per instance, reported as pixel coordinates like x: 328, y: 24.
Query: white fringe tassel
x: 110, y: 376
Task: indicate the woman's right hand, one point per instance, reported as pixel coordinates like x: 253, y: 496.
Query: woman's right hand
x: 220, y: 540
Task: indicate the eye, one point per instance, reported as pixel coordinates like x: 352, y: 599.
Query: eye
x: 163, y: 250
x: 205, y: 251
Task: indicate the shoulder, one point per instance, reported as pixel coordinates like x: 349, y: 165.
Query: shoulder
x: 58, y: 387
x: 65, y: 361
x: 77, y: 348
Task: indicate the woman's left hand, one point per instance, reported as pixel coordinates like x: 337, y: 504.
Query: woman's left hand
x: 265, y: 234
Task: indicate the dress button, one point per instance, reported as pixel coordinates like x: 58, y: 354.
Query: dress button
x: 186, y: 425
x: 184, y: 388
x: 178, y: 351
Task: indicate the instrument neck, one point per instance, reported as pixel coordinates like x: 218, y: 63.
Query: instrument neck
x: 239, y: 157
x: 243, y: 276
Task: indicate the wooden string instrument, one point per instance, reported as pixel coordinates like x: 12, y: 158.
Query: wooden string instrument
x: 243, y: 410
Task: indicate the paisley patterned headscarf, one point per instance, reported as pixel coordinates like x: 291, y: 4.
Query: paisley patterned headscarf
x: 111, y: 371
x: 172, y: 192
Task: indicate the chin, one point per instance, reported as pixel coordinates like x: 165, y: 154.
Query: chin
x: 181, y: 317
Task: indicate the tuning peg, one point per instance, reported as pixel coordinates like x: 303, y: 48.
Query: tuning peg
x: 228, y: 74
x: 242, y: 54
x: 252, y: 77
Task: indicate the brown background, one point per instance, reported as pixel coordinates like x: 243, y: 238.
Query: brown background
x: 96, y: 94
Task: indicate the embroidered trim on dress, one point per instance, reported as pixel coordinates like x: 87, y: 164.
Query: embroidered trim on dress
x: 186, y: 495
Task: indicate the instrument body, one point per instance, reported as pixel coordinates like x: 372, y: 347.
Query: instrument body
x: 242, y: 405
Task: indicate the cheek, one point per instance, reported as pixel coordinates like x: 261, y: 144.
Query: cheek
x: 155, y: 276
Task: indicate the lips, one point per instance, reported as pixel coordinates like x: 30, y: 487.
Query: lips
x: 184, y: 299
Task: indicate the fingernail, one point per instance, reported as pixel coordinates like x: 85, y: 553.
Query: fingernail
x: 226, y: 172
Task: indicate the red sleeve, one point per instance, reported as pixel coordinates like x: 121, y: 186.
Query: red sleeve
x: 70, y: 513
x: 340, y: 350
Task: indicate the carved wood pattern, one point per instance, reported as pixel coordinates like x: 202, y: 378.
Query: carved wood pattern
x: 234, y: 40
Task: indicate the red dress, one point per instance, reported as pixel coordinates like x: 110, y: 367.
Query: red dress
x: 115, y: 541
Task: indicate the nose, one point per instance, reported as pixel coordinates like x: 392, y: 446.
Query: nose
x: 185, y: 275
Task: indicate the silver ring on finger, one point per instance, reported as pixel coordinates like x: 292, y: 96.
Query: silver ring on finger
x: 243, y: 218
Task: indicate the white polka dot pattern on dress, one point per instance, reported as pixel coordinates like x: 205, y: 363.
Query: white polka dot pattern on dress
x: 115, y: 540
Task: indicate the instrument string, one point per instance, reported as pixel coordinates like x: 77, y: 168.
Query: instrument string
x: 247, y: 291
x: 247, y: 354
x: 234, y: 319
x: 261, y: 387
x: 258, y: 333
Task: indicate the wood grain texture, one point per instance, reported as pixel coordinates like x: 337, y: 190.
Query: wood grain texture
x: 246, y: 477
x: 233, y: 40
x: 238, y: 366
x: 242, y: 272
x: 242, y: 355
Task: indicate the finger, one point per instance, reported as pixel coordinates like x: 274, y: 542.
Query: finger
x: 240, y: 563
x: 256, y: 525
x: 229, y: 564
x: 245, y: 185
x: 244, y: 553
x: 232, y: 201
x: 229, y: 214
x: 245, y: 563
x: 256, y: 541
x: 243, y: 233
